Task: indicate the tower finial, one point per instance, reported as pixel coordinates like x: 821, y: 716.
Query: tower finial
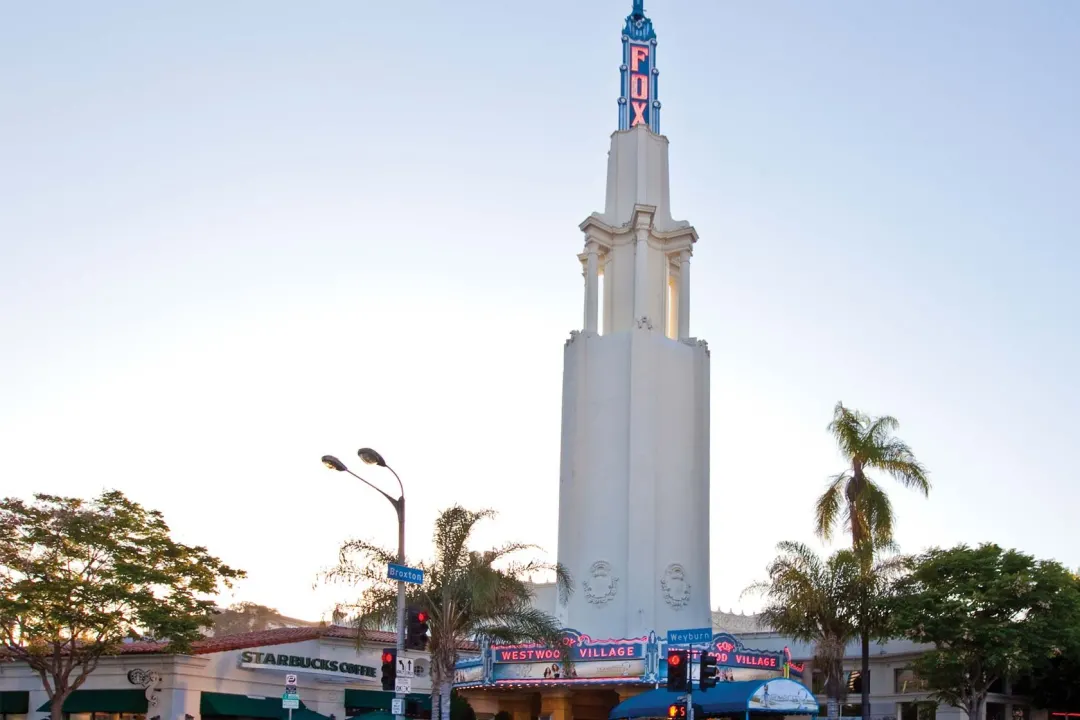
x: 639, y: 9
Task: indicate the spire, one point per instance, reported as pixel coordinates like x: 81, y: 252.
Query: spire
x: 638, y: 103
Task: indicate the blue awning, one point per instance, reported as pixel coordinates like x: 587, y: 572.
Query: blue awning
x: 779, y: 695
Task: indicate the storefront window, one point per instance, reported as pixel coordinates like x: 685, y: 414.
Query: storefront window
x: 855, y: 682
x: 995, y: 711
x: 906, y: 681
x: 1021, y: 712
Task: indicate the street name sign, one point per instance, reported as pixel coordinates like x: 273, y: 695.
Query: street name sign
x: 404, y: 573
x: 692, y: 636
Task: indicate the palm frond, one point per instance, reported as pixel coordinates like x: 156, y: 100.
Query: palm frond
x: 830, y: 505
x: 877, y: 512
x: 847, y: 428
x: 895, y: 458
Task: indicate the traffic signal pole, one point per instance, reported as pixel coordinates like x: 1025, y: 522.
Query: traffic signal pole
x: 399, y: 505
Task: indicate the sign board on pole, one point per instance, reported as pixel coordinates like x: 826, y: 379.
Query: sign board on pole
x: 692, y: 636
x: 290, y: 680
x: 397, y: 706
x: 291, y: 690
x: 404, y: 573
x: 290, y: 702
x: 403, y: 685
x: 405, y: 668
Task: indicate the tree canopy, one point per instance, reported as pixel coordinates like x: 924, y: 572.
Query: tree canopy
x: 989, y: 613
x: 819, y: 601
x: 78, y: 577
x: 469, y: 594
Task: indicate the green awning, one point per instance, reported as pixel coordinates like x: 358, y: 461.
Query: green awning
x: 104, y: 701
x: 364, y: 702
x: 16, y: 702
x: 226, y: 705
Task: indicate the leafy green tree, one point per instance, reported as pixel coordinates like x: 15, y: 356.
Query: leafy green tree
x: 245, y: 617
x: 469, y: 594
x: 460, y: 709
x: 78, y: 577
x: 1055, y: 682
x: 818, y: 601
x: 861, y: 504
x: 991, y: 614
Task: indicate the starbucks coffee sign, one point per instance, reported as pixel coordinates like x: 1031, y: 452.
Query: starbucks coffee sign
x: 256, y: 660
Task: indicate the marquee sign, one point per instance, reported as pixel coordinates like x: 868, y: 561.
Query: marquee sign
x: 581, y: 647
x: 623, y: 661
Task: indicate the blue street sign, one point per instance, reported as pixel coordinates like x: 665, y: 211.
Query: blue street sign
x: 405, y: 574
x: 692, y: 636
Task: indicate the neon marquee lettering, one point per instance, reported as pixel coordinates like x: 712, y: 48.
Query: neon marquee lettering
x: 639, y: 83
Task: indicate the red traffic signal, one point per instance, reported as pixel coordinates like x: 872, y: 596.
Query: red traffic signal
x: 422, y: 616
x: 678, y: 670
x: 389, y: 668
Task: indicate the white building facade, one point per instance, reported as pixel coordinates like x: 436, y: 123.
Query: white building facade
x: 238, y: 676
x: 896, y: 693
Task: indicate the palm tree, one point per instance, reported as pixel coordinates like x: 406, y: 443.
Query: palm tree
x: 814, y: 601
x: 469, y: 595
x: 863, y: 505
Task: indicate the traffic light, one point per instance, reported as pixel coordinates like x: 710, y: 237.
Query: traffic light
x: 678, y: 670
x: 707, y: 676
x: 389, y: 668
x: 416, y: 630
x: 677, y: 711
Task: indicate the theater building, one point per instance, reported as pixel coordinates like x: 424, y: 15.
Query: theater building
x: 233, y: 677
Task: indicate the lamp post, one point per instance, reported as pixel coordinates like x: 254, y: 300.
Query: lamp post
x: 371, y: 457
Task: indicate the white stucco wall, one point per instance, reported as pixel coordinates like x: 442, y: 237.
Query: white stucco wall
x: 634, y: 483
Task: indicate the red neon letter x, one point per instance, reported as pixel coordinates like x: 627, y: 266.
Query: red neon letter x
x: 639, y: 113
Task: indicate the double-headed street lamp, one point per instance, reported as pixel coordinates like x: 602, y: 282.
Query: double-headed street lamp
x: 372, y: 457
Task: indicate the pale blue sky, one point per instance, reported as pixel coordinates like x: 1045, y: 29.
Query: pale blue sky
x: 237, y: 236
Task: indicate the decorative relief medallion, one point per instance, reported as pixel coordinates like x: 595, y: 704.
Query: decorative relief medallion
x: 675, y: 587
x: 602, y: 584
x: 644, y: 322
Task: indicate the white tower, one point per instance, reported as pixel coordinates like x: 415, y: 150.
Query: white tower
x: 634, y: 478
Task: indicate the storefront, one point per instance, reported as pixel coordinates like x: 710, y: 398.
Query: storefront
x: 239, y: 677
x: 528, y: 681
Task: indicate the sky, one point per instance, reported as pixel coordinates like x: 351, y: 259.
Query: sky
x: 235, y: 237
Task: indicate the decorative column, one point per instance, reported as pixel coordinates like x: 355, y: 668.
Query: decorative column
x: 684, y: 294
x: 641, y: 278
x: 592, y: 286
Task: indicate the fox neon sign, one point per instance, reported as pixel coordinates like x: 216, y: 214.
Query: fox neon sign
x: 640, y: 66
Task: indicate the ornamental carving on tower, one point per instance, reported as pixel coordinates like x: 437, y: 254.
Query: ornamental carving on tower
x: 674, y: 586
x: 602, y: 584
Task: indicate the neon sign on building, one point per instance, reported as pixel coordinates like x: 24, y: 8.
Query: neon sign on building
x: 638, y: 103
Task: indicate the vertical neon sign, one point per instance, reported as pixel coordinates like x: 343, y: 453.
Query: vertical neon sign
x: 638, y: 103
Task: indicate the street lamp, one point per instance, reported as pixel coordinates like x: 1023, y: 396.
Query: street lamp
x: 371, y: 457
